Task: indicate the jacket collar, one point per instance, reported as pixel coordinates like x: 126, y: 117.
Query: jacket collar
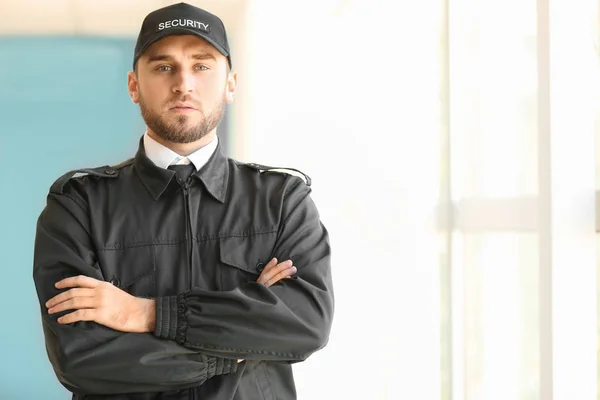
x: 214, y: 175
x: 163, y: 157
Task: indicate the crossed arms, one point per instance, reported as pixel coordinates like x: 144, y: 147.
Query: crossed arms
x: 101, y: 340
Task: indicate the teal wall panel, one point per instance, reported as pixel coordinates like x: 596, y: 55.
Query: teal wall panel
x: 63, y: 105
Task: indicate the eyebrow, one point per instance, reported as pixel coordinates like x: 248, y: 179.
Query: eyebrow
x: 165, y: 57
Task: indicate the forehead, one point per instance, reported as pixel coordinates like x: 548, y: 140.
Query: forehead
x: 177, y: 44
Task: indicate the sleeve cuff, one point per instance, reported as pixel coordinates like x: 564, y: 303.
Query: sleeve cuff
x: 171, y: 323
x: 221, y: 366
x: 166, y: 317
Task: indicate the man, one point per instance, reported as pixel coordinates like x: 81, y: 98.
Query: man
x: 160, y: 278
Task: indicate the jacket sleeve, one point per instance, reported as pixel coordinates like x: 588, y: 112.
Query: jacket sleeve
x: 90, y: 358
x: 285, y: 322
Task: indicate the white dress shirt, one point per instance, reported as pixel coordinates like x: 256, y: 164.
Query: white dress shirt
x: 163, y: 157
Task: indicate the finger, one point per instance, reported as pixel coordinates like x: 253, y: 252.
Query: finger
x: 76, y: 303
x: 69, y: 294
x: 275, y: 270
x: 78, y: 281
x: 266, y: 269
x: 270, y: 265
x: 79, y: 315
x: 283, y: 274
x: 271, y: 272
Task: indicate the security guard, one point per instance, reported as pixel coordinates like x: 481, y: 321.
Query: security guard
x: 181, y: 273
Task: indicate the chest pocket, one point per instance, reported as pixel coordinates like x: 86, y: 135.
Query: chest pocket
x: 131, y: 269
x: 242, y: 258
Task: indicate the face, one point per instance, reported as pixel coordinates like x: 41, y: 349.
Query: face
x: 182, y: 84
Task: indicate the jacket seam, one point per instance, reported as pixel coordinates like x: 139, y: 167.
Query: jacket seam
x: 242, y: 234
x: 286, y: 218
x: 257, y: 382
x: 124, y: 246
x: 259, y: 352
x: 119, y: 246
x: 72, y: 198
x: 266, y: 373
x: 68, y: 210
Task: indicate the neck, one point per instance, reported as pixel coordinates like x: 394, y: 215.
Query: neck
x: 184, y: 149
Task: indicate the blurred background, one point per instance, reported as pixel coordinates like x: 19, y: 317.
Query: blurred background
x: 452, y: 147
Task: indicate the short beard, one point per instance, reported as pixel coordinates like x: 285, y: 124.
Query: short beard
x: 177, y: 132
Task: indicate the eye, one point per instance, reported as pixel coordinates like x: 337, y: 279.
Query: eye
x: 201, y: 67
x: 164, y: 68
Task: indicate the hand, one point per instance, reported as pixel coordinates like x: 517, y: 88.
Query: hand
x: 274, y: 272
x: 103, y: 303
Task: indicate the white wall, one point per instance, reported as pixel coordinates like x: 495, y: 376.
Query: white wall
x: 347, y: 95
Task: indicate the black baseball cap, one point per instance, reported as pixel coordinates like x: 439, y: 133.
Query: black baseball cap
x: 182, y: 19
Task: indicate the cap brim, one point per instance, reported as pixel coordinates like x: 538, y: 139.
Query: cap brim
x: 179, y: 31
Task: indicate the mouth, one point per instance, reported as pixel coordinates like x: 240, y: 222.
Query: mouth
x: 182, y: 108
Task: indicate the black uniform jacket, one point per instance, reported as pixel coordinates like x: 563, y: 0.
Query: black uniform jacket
x: 197, y: 247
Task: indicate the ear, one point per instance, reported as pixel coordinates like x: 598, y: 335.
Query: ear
x: 230, y: 87
x: 132, y: 87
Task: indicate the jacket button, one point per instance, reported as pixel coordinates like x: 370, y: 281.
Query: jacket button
x: 115, y: 282
x: 260, y: 267
x: 110, y: 171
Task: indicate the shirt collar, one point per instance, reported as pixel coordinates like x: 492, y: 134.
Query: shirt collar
x: 163, y: 157
x: 214, y: 174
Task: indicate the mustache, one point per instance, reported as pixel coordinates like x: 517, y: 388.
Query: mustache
x: 185, y: 99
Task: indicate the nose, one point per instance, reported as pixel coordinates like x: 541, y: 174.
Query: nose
x: 184, y: 83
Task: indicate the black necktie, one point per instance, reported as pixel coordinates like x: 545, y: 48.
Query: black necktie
x: 183, y: 171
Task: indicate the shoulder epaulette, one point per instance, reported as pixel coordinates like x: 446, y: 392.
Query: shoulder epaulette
x: 263, y: 168
x: 101, y: 172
